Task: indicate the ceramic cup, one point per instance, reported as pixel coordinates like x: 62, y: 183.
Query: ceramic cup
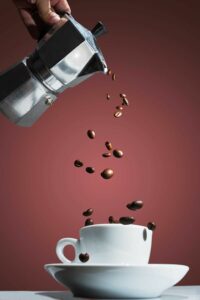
x: 109, y: 244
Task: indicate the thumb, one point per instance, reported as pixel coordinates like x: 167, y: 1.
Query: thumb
x: 46, y: 13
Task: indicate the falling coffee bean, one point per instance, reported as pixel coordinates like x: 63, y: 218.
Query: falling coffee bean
x: 88, y: 212
x: 107, y: 173
x: 107, y: 96
x: 109, y: 72
x: 88, y: 222
x: 118, y: 114
x: 137, y: 204
x: 112, y: 220
x: 126, y: 220
x: 91, y: 134
x: 84, y: 257
x: 78, y: 163
x: 108, y: 145
x: 119, y: 107
x: 125, y: 102
x: 108, y: 154
x: 151, y: 226
x: 122, y: 95
x: 90, y: 170
x: 113, y: 76
x: 118, y: 153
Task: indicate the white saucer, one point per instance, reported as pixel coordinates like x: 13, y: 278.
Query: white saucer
x: 117, y: 281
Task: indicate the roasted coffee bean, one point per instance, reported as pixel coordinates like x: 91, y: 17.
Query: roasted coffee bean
x: 112, y: 220
x: 108, y: 145
x: 108, y: 96
x: 144, y: 234
x: 88, y: 212
x: 108, y: 154
x: 151, y: 226
x: 90, y: 170
x: 109, y: 72
x: 122, y: 95
x: 88, y: 222
x: 118, y: 114
x: 118, y: 153
x: 137, y: 204
x: 126, y: 220
x: 107, y: 173
x: 91, y: 134
x: 84, y: 257
x: 119, y: 107
x: 125, y: 102
x: 113, y: 76
x: 78, y: 163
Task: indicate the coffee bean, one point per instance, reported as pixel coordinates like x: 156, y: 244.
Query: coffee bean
x: 88, y: 222
x: 107, y: 173
x: 91, y: 134
x: 151, y: 226
x: 108, y: 145
x: 78, y: 163
x: 88, y: 212
x: 118, y: 153
x: 144, y: 234
x: 84, y: 257
x: 108, y: 96
x: 90, y: 170
x: 113, y: 76
x: 111, y: 220
x: 125, y: 102
x: 109, y: 72
x: 118, y: 114
x: 126, y: 220
x: 122, y: 95
x: 119, y: 107
x: 137, y: 204
x: 108, y: 154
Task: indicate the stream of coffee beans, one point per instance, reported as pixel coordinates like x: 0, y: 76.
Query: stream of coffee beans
x: 125, y: 220
x: 108, y: 173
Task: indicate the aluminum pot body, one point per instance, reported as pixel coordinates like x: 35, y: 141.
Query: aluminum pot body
x: 67, y: 55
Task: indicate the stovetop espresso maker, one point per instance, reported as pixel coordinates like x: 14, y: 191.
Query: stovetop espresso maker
x: 64, y: 57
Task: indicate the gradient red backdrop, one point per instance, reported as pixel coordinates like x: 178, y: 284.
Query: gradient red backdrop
x: 153, y: 46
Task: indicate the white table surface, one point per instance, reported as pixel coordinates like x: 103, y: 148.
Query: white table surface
x: 174, y: 293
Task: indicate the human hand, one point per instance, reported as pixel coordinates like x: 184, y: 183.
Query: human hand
x: 39, y: 15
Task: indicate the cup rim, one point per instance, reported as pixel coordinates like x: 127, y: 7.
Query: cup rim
x: 114, y: 225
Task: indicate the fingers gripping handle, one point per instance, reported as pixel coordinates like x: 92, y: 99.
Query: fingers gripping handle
x: 62, y: 244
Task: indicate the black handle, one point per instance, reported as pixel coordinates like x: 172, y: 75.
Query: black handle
x: 99, y: 29
x: 12, y: 79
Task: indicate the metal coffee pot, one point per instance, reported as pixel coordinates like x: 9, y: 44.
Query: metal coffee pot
x: 65, y: 56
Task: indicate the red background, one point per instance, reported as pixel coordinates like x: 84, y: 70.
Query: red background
x: 153, y: 46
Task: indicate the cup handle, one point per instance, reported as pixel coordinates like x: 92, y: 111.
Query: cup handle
x: 62, y: 244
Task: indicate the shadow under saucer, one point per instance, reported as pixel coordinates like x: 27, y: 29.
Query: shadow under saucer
x: 67, y: 295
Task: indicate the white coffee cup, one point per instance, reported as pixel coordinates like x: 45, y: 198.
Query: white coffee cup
x: 109, y: 244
